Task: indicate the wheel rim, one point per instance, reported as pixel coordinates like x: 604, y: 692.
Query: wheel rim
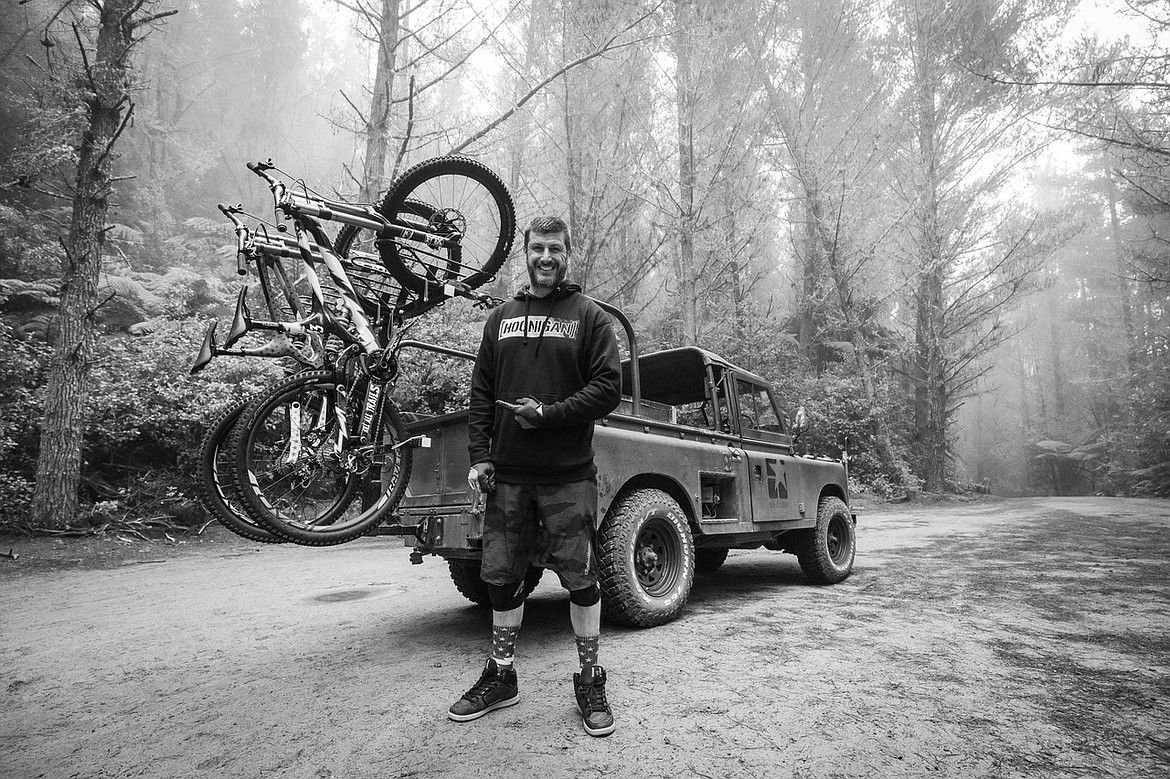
x: 309, y: 489
x: 657, y: 557
x: 838, y: 539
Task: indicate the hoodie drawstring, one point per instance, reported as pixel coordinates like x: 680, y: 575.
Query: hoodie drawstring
x: 527, y: 308
x: 544, y: 325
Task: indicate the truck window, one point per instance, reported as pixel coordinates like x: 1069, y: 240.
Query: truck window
x: 704, y: 414
x: 756, y: 411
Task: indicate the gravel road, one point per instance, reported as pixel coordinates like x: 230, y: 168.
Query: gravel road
x: 1000, y: 638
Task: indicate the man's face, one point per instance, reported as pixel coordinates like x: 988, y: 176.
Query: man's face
x: 548, y: 261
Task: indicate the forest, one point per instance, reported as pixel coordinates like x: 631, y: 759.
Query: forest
x: 940, y: 226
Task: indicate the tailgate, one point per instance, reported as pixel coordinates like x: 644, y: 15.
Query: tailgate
x: 439, y: 473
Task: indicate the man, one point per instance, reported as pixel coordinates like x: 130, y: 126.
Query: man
x: 547, y: 368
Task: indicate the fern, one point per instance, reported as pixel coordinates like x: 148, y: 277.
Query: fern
x: 123, y: 233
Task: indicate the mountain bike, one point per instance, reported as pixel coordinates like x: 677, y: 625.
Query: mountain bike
x: 304, y: 448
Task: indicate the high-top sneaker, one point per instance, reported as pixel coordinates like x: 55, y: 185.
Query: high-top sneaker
x: 591, y: 703
x: 496, y: 689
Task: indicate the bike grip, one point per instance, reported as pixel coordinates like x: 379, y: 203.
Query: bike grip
x: 252, y: 166
x: 241, y: 264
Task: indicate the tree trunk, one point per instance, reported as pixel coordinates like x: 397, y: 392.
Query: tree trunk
x: 378, y: 122
x: 685, y: 18
x: 930, y: 398
x: 1054, y: 340
x: 1123, y: 293
x: 55, y: 498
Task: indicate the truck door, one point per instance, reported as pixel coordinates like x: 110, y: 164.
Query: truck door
x: 735, y: 461
x: 772, y: 475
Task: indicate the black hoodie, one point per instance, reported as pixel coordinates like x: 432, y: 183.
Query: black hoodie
x: 559, y: 350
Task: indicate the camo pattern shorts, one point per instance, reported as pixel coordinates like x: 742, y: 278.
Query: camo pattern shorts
x: 550, y: 525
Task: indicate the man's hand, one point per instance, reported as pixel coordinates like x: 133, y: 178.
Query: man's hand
x: 482, y: 477
x: 528, y: 413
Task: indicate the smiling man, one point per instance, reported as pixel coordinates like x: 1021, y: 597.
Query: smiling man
x: 547, y: 368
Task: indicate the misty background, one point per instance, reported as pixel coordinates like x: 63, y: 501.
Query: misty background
x: 938, y: 225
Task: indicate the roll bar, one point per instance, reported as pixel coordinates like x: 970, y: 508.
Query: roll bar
x: 635, y: 368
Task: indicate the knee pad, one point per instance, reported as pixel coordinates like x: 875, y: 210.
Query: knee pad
x: 585, y: 597
x: 506, y: 597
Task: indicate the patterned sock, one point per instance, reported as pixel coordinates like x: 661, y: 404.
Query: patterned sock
x: 587, y: 654
x: 504, y: 645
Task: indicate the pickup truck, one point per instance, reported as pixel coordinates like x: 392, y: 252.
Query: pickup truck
x: 695, y: 461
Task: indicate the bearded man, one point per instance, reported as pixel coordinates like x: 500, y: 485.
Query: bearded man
x: 547, y: 368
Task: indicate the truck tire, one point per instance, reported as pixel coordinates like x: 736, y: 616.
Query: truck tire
x: 826, y: 551
x: 709, y: 560
x: 465, y: 575
x: 646, y: 557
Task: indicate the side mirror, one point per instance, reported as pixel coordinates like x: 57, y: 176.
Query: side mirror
x: 799, y: 424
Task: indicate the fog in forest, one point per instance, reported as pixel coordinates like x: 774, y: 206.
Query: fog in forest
x: 937, y: 225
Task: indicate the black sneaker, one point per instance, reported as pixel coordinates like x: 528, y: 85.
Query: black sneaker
x: 591, y: 703
x: 496, y: 689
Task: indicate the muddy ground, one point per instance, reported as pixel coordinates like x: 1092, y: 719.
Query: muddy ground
x: 1012, y: 638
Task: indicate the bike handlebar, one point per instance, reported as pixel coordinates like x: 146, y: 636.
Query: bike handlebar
x: 241, y: 231
x: 279, y: 190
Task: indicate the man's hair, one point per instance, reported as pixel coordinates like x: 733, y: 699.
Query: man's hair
x: 546, y: 225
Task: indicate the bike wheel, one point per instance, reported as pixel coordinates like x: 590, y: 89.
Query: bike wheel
x: 461, y: 199
x: 217, y: 491
x: 295, y: 482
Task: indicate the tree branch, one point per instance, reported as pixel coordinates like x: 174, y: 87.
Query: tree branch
x: 407, y: 132
x: 117, y: 134
x: 605, y: 48
x: 1042, y: 83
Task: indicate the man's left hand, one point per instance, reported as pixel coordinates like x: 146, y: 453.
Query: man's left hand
x: 528, y: 413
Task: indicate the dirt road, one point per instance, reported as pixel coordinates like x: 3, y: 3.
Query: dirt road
x: 1001, y: 639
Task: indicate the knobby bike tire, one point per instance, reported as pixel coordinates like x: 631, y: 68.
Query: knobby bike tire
x: 464, y: 195
x: 301, y: 492
x: 217, y: 490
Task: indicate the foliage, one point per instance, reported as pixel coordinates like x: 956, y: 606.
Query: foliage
x: 432, y: 383
x: 28, y: 250
x: 23, y: 365
x: 838, y: 414
x: 147, y: 418
x: 147, y: 415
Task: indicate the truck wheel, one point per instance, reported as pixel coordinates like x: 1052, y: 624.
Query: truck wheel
x: 709, y: 560
x: 826, y: 551
x: 646, y: 558
x: 465, y: 574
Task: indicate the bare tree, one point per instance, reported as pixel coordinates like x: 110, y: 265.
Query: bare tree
x: 105, y: 35
x: 970, y: 253
x: 829, y: 108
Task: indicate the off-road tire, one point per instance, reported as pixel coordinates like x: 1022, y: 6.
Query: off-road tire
x: 826, y: 552
x: 465, y: 575
x: 217, y: 488
x: 709, y: 560
x: 646, y: 559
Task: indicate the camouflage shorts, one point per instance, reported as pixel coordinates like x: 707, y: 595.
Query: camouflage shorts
x: 550, y: 525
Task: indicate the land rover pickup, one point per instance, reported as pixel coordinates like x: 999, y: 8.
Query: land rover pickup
x: 697, y: 460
